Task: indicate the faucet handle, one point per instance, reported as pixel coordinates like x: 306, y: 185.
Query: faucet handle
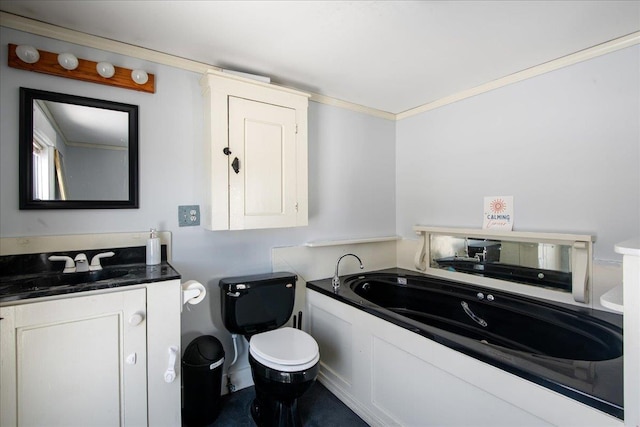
x: 69, y: 266
x: 95, y: 261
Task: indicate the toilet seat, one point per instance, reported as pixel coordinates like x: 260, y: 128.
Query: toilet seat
x: 285, y: 349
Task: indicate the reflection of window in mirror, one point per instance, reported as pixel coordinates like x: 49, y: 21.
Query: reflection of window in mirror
x: 43, y: 158
x: 41, y: 190
x: 60, y: 176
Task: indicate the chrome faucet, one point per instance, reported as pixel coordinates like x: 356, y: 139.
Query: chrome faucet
x: 335, y: 282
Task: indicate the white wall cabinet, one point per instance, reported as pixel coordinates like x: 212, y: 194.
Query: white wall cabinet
x: 97, y: 359
x: 256, y: 151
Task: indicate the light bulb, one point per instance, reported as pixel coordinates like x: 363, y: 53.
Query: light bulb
x: 139, y: 76
x: 28, y: 54
x: 105, y: 69
x: 68, y: 61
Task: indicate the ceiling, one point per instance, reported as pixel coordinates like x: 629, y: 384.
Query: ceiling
x: 387, y: 55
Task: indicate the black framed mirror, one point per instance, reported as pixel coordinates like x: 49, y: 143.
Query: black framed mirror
x: 77, y: 152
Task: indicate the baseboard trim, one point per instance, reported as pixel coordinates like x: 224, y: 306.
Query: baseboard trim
x: 352, y: 404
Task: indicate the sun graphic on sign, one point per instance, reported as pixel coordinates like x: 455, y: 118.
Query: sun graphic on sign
x: 498, y: 205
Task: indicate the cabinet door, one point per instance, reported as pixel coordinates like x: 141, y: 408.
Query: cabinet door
x: 74, y: 362
x: 164, y: 305
x: 262, y: 194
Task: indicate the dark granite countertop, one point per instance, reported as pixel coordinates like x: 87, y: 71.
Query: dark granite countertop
x: 31, y: 276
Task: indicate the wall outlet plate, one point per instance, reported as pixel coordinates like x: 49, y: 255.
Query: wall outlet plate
x: 188, y: 215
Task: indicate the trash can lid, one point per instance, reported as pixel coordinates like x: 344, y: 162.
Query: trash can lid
x: 203, y: 351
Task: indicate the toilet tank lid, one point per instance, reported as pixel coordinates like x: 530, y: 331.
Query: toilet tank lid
x: 257, y: 279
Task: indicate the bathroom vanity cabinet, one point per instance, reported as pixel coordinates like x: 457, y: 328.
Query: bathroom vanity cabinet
x: 256, y: 154
x: 92, y: 358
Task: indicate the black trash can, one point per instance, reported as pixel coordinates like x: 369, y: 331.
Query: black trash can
x: 202, y: 365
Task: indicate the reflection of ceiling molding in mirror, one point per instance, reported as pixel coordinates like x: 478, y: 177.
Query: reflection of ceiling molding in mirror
x: 83, y: 126
x: 77, y: 152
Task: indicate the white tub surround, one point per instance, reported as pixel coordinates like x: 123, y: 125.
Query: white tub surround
x: 319, y: 243
x: 369, y: 363
x: 389, y: 375
x: 613, y: 299
x: 630, y: 250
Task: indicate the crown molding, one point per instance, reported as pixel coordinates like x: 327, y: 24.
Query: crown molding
x: 574, y: 58
x: 351, y: 106
x: 52, y: 31
x: 76, y: 37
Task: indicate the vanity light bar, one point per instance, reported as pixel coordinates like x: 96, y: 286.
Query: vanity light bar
x: 86, y: 70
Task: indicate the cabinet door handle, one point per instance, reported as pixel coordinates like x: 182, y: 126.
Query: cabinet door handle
x: 236, y: 165
x: 170, y: 373
x: 136, y: 319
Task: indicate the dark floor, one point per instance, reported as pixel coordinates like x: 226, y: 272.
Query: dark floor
x: 318, y: 408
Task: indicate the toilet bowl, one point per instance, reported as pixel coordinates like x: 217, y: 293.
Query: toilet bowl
x: 284, y: 365
x: 284, y: 361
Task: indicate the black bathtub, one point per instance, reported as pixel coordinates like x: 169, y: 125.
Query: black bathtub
x: 572, y: 350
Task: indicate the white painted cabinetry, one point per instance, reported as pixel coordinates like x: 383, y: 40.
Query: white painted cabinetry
x: 256, y: 154
x: 391, y: 376
x: 92, y: 360
x: 630, y: 250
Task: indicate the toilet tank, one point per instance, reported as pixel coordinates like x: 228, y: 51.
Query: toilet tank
x: 257, y: 303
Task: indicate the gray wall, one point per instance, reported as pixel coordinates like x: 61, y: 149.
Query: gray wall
x: 96, y: 173
x: 351, y: 176
x: 565, y: 144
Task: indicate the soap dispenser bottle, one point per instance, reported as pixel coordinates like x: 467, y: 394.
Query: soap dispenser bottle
x: 153, y: 248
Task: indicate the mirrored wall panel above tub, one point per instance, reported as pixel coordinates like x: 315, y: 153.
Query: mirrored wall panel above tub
x: 557, y: 262
x: 539, y: 264
x: 77, y: 152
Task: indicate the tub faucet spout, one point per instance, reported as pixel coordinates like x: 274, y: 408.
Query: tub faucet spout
x: 335, y: 282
